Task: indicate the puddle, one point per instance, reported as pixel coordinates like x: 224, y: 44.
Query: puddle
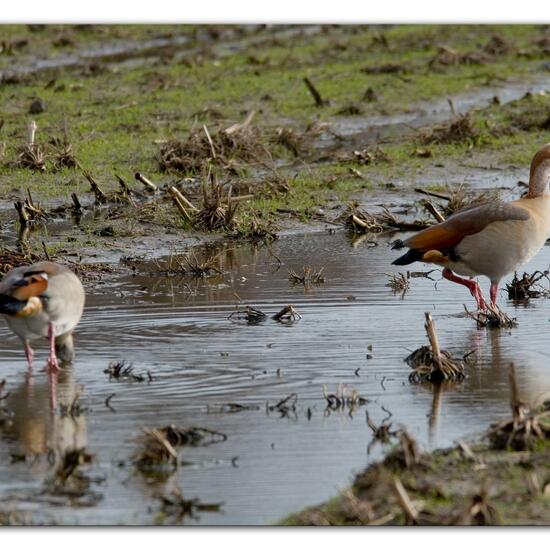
x: 131, y: 53
x: 270, y: 465
x: 361, y: 131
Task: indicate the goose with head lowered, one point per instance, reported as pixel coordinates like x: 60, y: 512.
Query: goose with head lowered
x: 43, y: 300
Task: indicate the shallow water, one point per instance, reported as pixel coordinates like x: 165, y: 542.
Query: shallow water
x: 269, y: 466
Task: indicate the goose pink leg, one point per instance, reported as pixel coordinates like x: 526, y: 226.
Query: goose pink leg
x: 494, y: 291
x: 29, y: 353
x: 53, y: 363
x: 473, y: 287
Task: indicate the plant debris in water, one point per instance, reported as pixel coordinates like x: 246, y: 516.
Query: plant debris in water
x: 158, y: 445
x: 121, y: 370
x: 431, y: 363
x: 230, y: 408
x: 360, y: 221
x: 288, y: 314
x: 285, y: 406
x: 177, y: 508
x: 309, y: 276
x: 342, y: 399
x: 525, y: 287
x: 398, y: 282
x: 525, y: 429
x: 251, y: 315
x: 188, y: 264
x: 382, y: 433
x: 69, y: 482
x: 492, y: 317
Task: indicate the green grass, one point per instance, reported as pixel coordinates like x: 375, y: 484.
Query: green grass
x: 117, y: 116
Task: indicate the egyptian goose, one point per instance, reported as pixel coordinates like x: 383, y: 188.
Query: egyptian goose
x: 490, y: 239
x: 44, y: 299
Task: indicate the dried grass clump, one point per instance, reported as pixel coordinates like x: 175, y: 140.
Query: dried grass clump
x: 398, y: 282
x: 31, y: 154
x: 407, y: 455
x: 524, y: 288
x: 459, y: 198
x: 460, y: 129
x: 240, y: 142
x: 158, y: 445
x: 525, y: 429
x: 498, y: 45
x: 256, y: 230
x: 447, y: 56
x: 189, y: 265
x: 309, y: 276
x: 368, y: 156
x: 218, y: 210
x: 492, y: 317
x: 64, y: 157
x: 431, y: 363
x: 360, y: 221
x: 120, y: 370
x: 291, y: 140
x: 479, y: 511
x: 531, y: 112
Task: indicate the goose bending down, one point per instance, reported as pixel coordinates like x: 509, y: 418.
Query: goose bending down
x: 492, y: 239
x: 44, y: 299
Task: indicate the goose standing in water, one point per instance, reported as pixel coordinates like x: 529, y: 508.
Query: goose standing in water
x: 43, y: 300
x: 490, y: 239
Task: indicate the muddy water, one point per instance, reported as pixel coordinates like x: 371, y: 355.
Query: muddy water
x: 270, y: 465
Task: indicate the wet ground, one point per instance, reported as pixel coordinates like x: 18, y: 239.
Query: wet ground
x: 200, y: 368
x: 271, y: 464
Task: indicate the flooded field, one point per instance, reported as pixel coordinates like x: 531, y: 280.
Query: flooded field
x: 139, y: 154
x: 354, y: 332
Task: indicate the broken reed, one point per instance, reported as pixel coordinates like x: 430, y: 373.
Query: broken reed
x: 525, y: 287
x: 431, y: 363
x: 358, y: 220
x: 158, y: 445
x: 218, y: 210
x: 28, y: 212
x: 525, y: 429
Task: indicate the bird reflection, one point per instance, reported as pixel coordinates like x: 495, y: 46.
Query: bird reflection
x: 41, y: 431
